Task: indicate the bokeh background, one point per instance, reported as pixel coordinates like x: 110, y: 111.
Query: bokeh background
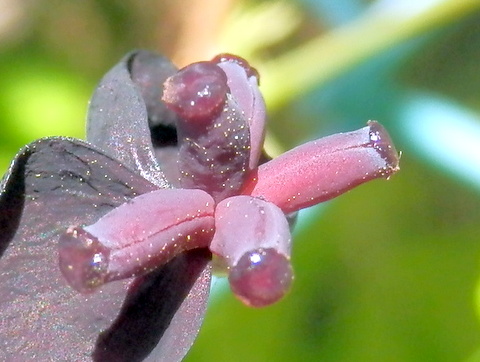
x: 389, y: 271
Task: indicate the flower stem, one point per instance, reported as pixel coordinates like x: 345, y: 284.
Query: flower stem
x: 333, y: 53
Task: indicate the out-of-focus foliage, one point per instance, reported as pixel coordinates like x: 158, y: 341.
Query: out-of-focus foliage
x: 388, y: 272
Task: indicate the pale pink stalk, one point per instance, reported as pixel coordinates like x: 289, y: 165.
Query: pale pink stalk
x: 323, y: 169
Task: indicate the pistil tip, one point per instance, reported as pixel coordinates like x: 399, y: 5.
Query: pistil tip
x: 83, y: 260
x: 382, y: 143
x: 261, y: 277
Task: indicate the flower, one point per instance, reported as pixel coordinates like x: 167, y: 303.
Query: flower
x: 106, y: 244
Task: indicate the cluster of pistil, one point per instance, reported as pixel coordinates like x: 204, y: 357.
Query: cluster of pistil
x: 224, y: 199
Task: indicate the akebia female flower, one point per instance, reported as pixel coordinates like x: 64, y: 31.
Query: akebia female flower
x: 107, y: 243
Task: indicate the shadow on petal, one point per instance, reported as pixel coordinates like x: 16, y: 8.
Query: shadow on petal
x: 149, y: 313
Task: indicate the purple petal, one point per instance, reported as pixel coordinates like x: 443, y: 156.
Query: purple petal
x: 175, y: 297
x: 136, y: 237
x: 51, y: 184
x: 149, y: 71
x: 117, y: 122
x: 320, y: 170
x: 54, y: 183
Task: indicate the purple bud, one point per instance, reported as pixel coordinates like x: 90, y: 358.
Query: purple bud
x: 253, y: 238
x: 320, y: 170
x: 136, y: 237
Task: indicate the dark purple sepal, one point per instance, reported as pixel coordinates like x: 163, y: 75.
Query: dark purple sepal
x: 51, y: 184
x: 149, y: 71
x: 162, y: 314
x: 117, y: 122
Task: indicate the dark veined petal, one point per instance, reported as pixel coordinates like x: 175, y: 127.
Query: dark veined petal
x: 117, y: 123
x: 52, y: 184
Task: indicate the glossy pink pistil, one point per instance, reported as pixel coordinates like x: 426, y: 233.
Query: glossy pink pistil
x: 224, y: 199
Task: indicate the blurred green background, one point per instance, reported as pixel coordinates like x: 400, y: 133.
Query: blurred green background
x: 389, y: 271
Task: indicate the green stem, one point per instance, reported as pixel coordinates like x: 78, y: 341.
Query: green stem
x: 333, y: 53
